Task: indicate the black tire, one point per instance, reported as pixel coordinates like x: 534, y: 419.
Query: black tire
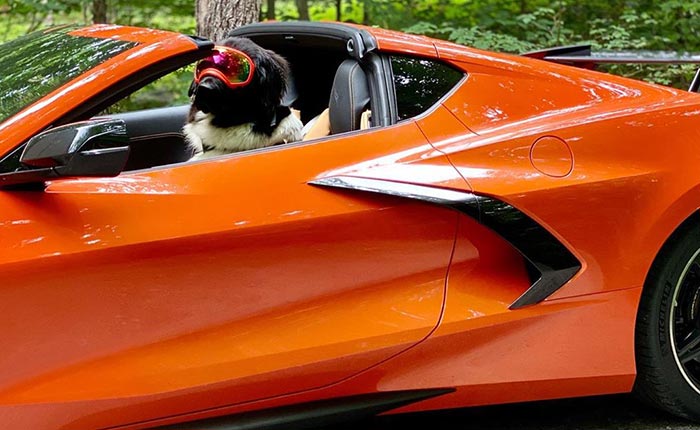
x: 669, y: 315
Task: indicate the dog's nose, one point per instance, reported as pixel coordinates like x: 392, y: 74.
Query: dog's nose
x: 204, y: 93
x: 208, y: 83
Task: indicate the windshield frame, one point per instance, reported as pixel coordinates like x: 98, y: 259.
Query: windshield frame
x: 39, y: 63
x: 152, y: 57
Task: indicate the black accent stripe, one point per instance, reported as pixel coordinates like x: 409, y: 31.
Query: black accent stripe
x: 314, y: 414
x: 537, y: 245
x: 582, y: 54
x: 554, y: 265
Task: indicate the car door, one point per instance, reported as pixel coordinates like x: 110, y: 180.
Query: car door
x: 231, y: 276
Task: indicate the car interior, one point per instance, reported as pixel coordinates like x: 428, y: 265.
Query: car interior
x: 320, y: 66
x: 339, y: 85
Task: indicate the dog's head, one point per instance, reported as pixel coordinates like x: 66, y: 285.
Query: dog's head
x: 249, y: 102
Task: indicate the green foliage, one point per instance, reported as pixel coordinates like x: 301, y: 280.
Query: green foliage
x: 671, y: 25
x: 24, y: 16
x: 174, y: 15
x: 475, y: 36
x: 518, y: 26
x: 42, y: 6
x: 514, y: 26
x: 170, y: 90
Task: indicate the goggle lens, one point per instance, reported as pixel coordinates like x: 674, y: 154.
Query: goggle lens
x: 234, y: 66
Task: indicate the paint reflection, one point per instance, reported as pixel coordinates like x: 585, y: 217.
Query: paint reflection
x: 41, y: 62
x: 122, y: 185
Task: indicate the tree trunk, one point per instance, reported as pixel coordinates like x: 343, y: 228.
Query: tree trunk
x: 215, y: 18
x: 523, y: 7
x: 338, y: 10
x: 99, y: 11
x: 303, y: 7
x: 271, y: 9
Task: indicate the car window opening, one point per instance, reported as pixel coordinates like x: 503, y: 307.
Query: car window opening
x: 318, y: 68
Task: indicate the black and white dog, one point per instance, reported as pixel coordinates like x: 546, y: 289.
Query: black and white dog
x: 223, y: 120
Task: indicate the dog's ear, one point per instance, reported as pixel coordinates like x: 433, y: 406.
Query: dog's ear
x: 190, y: 92
x: 272, y: 74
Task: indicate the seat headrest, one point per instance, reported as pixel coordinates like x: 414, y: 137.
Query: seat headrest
x: 349, y: 97
x: 291, y: 94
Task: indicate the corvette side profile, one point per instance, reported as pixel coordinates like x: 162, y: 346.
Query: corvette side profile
x: 472, y: 228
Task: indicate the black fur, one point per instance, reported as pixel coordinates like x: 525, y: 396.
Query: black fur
x: 257, y: 103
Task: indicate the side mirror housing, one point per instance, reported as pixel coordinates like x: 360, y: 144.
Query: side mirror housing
x: 83, y: 149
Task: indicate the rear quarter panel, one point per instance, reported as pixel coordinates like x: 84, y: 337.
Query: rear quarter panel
x: 632, y: 179
x: 634, y: 157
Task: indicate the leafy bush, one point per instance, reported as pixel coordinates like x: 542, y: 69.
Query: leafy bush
x: 670, y: 25
x: 513, y: 26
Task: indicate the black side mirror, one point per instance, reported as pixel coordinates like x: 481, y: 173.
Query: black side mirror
x: 90, y: 148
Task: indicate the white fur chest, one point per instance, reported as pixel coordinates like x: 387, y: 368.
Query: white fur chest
x: 200, y: 133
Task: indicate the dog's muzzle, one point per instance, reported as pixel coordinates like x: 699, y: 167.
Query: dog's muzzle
x: 205, y: 93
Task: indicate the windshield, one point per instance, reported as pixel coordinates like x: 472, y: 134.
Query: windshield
x: 38, y: 63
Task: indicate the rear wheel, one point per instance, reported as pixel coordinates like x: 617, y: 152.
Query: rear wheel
x: 668, y: 328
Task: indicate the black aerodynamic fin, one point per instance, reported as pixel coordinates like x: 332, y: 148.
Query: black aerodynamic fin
x: 551, y: 264
x: 568, y: 51
x: 313, y: 414
x: 582, y: 56
x: 540, y: 248
x: 695, y: 84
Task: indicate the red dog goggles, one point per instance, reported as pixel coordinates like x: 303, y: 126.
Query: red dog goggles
x: 232, y: 66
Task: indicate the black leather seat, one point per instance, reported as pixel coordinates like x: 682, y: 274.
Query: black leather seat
x: 349, y: 97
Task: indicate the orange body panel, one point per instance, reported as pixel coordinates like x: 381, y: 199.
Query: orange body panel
x: 402, y: 43
x: 194, y: 312
x: 623, y: 182
x: 231, y: 284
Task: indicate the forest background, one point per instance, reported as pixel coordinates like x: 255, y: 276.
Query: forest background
x: 513, y: 26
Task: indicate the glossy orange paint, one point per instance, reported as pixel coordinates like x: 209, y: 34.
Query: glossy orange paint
x: 490, y: 354
x: 201, y: 307
x: 552, y: 156
x: 231, y: 284
x: 402, y: 43
x: 495, y: 355
x: 619, y: 132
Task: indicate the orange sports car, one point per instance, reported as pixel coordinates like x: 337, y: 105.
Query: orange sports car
x: 474, y: 228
